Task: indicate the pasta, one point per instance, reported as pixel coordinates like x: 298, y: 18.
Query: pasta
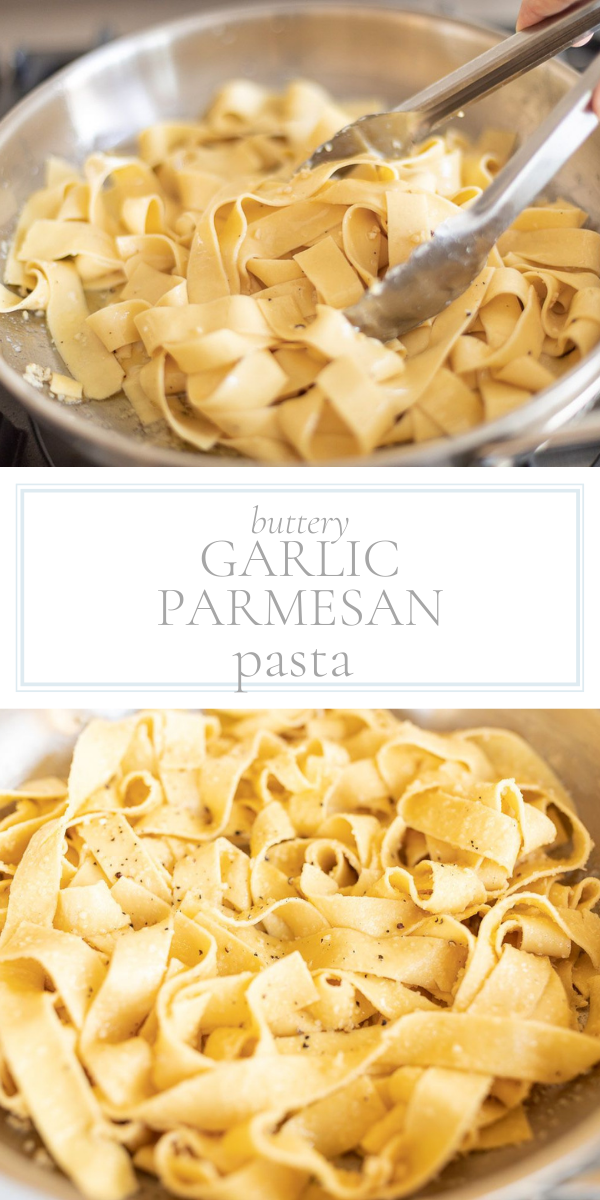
x: 207, y: 277
x: 290, y: 954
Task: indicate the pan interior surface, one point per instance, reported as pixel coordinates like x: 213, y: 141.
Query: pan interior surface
x: 103, y: 100
x: 566, y: 1119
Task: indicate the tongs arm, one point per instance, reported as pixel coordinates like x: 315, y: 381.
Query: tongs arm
x: 439, y: 271
x: 540, y: 157
x: 510, y: 59
x: 391, y: 134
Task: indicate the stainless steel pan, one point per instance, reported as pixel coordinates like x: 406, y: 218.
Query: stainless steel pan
x: 355, y: 50
x: 566, y: 1120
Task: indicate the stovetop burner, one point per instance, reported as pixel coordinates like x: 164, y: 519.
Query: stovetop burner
x: 22, y: 442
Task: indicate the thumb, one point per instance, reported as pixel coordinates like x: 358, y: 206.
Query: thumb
x: 533, y: 11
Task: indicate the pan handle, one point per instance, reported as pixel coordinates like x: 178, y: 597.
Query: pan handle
x: 514, y: 452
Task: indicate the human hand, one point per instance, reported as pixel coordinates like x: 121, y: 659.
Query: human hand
x: 533, y: 11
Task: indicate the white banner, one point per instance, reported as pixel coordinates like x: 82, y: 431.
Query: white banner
x: 274, y: 587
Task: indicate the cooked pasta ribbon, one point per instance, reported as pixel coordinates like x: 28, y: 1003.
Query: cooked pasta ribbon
x: 291, y: 954
x: 207, y: 278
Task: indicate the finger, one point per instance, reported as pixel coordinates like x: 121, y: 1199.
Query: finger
x: 533, y: 11
x: 596, y: 102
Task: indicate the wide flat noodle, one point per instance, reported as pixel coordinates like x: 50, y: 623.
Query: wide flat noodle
x: 291, y: 954
x: 207, y: 279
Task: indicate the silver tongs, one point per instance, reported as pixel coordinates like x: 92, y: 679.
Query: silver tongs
x: 442, y: 269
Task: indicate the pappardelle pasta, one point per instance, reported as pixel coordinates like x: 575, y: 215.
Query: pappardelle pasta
x: 291, y: 955
x: 207, y: 277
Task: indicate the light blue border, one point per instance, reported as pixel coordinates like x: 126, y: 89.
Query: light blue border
x: 281, y: 686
